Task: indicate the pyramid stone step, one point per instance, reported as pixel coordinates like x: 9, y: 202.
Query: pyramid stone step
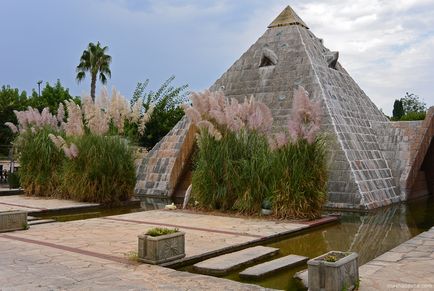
x: 224, y: 264
x: 270, y: 267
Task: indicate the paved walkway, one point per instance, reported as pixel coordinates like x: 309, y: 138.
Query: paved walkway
x: 36, y: 204
x: 93, y: 253
x: 409, y: 266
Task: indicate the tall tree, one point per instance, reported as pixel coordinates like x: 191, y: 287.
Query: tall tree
x: 413, y: 103
x: 93, y: 60
x: 398, y: 110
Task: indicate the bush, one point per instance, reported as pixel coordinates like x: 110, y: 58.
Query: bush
x: 40, y: 163
x: 14, y: 180
x: 102, y: 172
x: 413, y: 116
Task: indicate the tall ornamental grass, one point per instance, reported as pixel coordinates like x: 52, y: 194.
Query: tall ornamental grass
x: 81, y: 157
x: 240, y: 163
x: 39, y: 158
x: 40, y: 161
x: 230, y: 174
x: 102, y: 172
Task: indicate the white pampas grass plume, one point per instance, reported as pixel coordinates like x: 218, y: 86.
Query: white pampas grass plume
x: 73, y: 149
x: 305, y: 120
x: 12, y: 127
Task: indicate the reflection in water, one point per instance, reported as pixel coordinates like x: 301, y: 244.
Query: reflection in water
x: 368, y: 234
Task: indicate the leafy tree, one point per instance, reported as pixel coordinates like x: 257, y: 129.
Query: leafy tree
x: 167, y: 111
x: 50, y: 97
x: 412, y: 103
x: 398, y: 110
x: 10, y: 100
x: 410, y: 107
x: 94, y: 59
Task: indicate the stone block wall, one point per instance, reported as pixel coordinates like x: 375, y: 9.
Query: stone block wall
x: 159, y: 171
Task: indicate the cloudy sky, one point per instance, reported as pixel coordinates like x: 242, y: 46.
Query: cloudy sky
x: 387, y: 46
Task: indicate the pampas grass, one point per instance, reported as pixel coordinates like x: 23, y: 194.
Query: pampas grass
x: 239, y: 164
x: 83, y: 157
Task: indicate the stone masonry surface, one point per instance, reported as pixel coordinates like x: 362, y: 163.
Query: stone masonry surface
x: 93, y: 254
x: 409, y: 266
x: 373, y: 162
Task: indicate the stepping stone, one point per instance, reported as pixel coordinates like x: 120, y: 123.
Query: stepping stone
x: 224, y: 264
x: 31, y: 218
x: 40, y: 221
x: 273, y: 266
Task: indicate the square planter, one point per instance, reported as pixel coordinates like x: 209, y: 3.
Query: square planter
x: 13, y: 220
x: 340, y: 275
x: 161, y: 249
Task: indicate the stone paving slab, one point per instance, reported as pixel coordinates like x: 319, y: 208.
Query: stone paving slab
x: 117, y: 235
x: 409, y: 266
x: 224, y: 264
x: 276, y: 265
x: 35, y: 267
x: 38, y: 204
x: 63, y: 253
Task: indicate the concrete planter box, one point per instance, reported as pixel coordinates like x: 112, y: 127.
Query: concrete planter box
x: 340, y: 275
x: 161, y: 249
x: 13, y: 220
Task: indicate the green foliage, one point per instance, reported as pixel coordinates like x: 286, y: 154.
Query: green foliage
x: 167, y: 112
x: 103, y: 172
x: 51, y: 97
x: 10, y: 100
x: 330, y: 258
x: 398, y: 110
x: 413, y: 116
x: 233, y: 173
x: 412, y: 103
x: 300, y: 177
x: 240, y: 173
x: 40, y: 162
x: 409, y: 108
x: 158, y: 231
x: 94, y: 60
x: 14, y: 180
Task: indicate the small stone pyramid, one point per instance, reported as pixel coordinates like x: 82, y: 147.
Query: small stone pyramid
x: 371, y: 164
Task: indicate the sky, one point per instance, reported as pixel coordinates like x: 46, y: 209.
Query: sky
x: 386, y: 46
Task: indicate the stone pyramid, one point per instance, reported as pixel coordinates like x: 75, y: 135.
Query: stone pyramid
x: 370, y: 162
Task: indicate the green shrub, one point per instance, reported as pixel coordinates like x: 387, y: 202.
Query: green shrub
x: 300, y: 175
x: 14, y: 180
x: 158, y: 231
x: 413, y: 116
x: 103, y: 171
x: 40, y: 163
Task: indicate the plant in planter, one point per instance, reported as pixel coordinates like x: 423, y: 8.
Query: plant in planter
x: 334, y: 271
x: 161, y: 245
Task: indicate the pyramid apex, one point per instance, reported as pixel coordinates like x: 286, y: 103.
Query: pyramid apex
x: 287, y: 17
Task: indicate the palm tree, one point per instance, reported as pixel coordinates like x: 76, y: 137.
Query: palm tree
x: 94, y: 59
